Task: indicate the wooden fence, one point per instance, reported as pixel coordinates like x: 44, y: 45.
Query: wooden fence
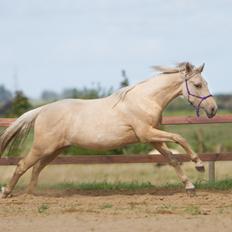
x: 142, y: 158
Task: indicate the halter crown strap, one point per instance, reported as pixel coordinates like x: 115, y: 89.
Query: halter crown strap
x: 197, y: 108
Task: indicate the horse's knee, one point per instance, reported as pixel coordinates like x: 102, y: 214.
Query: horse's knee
x: 178, y: 139
x: 174, y: 162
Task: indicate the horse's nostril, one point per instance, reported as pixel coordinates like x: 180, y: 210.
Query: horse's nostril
x: 213, y: 110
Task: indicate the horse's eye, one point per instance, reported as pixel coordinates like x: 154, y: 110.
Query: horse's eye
x: 199, y: 85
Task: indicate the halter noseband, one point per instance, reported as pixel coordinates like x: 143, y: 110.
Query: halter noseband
x: 197, y: 108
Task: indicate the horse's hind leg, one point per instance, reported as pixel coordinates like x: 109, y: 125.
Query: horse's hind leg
x: 37, y: 168
x: 22, y: 166
x: 163, y: 149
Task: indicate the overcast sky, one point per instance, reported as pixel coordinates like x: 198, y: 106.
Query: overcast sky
x: 54, y: 44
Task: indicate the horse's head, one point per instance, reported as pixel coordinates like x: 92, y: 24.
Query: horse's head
x: 195, y: 89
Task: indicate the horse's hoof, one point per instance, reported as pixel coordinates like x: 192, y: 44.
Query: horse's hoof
x: 4, y: 196
x: 4, y: 193
x: 191, y: 192
x: 1, y: 196
x: 30, y: 192
x: 200, y: 168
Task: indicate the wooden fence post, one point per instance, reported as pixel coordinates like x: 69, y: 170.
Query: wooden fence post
x: 211, y: 174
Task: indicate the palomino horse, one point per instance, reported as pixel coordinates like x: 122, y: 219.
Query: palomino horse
x: 131, y: 115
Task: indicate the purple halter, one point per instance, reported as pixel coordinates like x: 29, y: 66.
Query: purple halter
x: 197, y: 108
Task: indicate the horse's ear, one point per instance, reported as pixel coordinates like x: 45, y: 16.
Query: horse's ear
x: 188, y: 67
x: 201, y: 68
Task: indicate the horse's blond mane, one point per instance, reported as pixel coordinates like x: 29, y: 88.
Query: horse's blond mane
x: 168, y: 70
x: 122, y: 93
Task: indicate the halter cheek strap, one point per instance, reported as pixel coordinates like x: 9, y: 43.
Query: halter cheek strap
x: 197, y: 108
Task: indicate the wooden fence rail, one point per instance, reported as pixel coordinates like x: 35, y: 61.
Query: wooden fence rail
x: 106, y: 159
x: 168, y: 120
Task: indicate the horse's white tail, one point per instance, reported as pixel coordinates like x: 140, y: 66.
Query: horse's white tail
x: 18, y: 130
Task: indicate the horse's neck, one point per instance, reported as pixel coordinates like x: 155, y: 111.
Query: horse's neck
x: 165, y: 88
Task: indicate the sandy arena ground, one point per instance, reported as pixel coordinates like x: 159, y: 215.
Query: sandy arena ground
x: 143, y: 210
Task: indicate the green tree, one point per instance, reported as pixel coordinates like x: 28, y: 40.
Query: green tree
x: 20, y: 104
x: 125, y: 81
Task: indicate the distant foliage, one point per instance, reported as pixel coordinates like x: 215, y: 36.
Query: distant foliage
x: 179, y: 103
x: 224, y: 101
x: 20, y: 104
x: 87, y: 92
x: 5, y: 95
x: 49, y: 95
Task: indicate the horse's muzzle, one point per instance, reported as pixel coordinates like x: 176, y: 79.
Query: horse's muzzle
x: 211, y: 112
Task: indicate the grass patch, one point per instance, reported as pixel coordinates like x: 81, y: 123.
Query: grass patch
x: 43, y: 208
x: 165, y: 209
x: 218, y: 185
x: 106, y: 206
x: 193, y: 210
x: 104, y: 186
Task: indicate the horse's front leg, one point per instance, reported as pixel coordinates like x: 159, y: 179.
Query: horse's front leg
x: 164, y: 150
x: 154, y: 135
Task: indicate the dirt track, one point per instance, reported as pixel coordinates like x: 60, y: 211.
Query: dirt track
x: 157, y: 211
